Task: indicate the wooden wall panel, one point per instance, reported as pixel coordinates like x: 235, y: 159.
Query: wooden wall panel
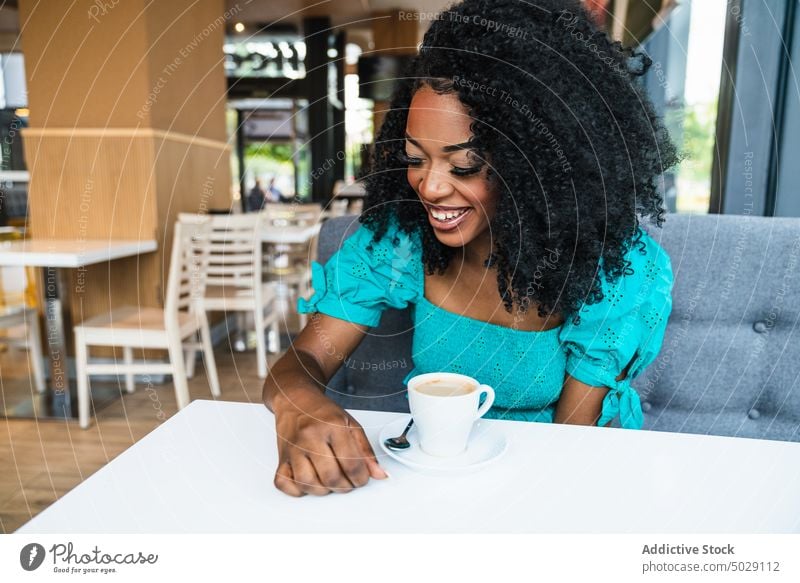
x: 90, y: 184
x: 85, y: 71
x: 186, y: 61
x: 128, y: 185
x: 127, y: 103
x: 392, y: 35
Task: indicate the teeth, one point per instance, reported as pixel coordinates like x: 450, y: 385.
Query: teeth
x: 447, y: 215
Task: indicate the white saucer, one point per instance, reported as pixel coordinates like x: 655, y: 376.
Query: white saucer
x: 486, y: 444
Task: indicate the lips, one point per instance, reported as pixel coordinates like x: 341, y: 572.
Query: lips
x: 447, y: 215
x: 447, y: 218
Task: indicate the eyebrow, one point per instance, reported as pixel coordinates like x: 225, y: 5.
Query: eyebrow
x: 468, y: 145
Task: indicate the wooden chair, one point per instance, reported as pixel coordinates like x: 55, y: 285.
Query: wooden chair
x: 289, y: 265
x: 338, y: 207
x: 139, y: 327
x: 22, y: 316
x: 234, y: 280
x: 297, y: 277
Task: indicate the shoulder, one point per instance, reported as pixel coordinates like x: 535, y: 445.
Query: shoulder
x: 393, y: 237
x: 366, y: 276
x: 649, y: 261
x: 395, y: 247
x: 645, y: 286
x: 629, y: 321
x: 649, y: 272
x: 391, y: 262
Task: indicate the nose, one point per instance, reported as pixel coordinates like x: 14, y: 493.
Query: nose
x: 435, y: 185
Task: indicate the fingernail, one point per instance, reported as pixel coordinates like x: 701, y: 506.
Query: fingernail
x: 387, y: 474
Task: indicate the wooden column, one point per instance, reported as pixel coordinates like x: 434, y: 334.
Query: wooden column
x: 127, y: 128
x: 392, y: 35
x: 317, y: 31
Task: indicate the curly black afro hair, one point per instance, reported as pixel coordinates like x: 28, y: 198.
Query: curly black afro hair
x: 575, y: 162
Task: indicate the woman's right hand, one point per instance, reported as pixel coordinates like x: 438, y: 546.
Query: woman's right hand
x: 321, y: 447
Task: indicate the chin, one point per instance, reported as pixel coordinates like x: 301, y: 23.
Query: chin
x: 454, y: 239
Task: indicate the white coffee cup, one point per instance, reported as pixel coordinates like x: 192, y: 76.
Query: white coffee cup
x: 444, y: 407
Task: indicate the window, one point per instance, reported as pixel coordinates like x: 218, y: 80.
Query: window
x: 683, y: 82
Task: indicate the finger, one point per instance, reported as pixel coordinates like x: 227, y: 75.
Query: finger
x: 375, y: 470
x: 284, y: 481
x: 329, y: 470
x: 305, y: 476
x: 350, y: 457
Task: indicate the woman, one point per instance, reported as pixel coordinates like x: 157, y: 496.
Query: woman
x: 504, y: 201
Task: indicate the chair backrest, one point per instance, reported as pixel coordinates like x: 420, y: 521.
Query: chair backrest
x: 364, y: 383
x: 730, y: 359
x: 338, y: 207
x: 357, y: 206
x: 235, y: 251
x: 188, y: 267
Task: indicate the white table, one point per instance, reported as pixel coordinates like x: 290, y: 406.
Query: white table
x: 210, y: 469
x: 289, y: 234
x: 354, y: 190
x: 69, y: 253
x: 53, y: 255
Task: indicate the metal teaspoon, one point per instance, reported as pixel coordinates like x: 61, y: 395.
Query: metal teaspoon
x: 399, y: 442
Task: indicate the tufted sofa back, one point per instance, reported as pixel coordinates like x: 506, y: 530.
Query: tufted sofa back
x: 730, y: 361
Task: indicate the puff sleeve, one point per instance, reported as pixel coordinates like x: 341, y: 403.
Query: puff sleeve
x: 357, y: 284
x: 627, y: 325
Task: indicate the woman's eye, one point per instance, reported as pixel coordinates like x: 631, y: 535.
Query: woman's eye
x: 458, y: 171
x: 410, y: 160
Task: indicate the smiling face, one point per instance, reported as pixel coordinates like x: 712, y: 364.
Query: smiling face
x: 447, y: 175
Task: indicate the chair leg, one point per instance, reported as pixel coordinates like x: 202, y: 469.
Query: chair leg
x: 300, y: 292
x: 191, y: 359
x: 302, y: 319
x: 275, y: 336
x: 127, y: 353
x: 240, y: 344
x: 35, y: 352
x: 208, y: 356
x: 84, y: 394
x: 302, y: 288
x: 261, y: 345
x: 178, y: 371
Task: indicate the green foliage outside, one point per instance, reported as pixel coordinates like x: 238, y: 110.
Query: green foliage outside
x: 699, y: 125
x: 275, y: 152
x: 264, y: 160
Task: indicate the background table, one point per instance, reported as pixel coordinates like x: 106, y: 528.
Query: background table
x: 210, y: 468
x: 52, y: 255
x: 289, y: 234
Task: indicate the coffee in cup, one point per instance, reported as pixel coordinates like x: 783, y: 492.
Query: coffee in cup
x: 445, y: 388
x: 444, y: 407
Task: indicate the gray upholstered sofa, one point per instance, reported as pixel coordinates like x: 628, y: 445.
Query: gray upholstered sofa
x: 730, y: 361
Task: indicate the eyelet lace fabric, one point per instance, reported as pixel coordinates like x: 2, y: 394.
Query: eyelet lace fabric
x: 526, y: 368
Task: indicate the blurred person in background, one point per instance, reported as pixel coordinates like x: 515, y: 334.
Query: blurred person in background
x: 256, y: 197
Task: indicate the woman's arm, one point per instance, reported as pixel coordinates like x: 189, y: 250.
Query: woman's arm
x: 581, y: 404
x: 321, y: 448
x: 313, y: 358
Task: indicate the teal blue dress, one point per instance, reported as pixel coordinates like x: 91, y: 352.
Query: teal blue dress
x: 526, y: 368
